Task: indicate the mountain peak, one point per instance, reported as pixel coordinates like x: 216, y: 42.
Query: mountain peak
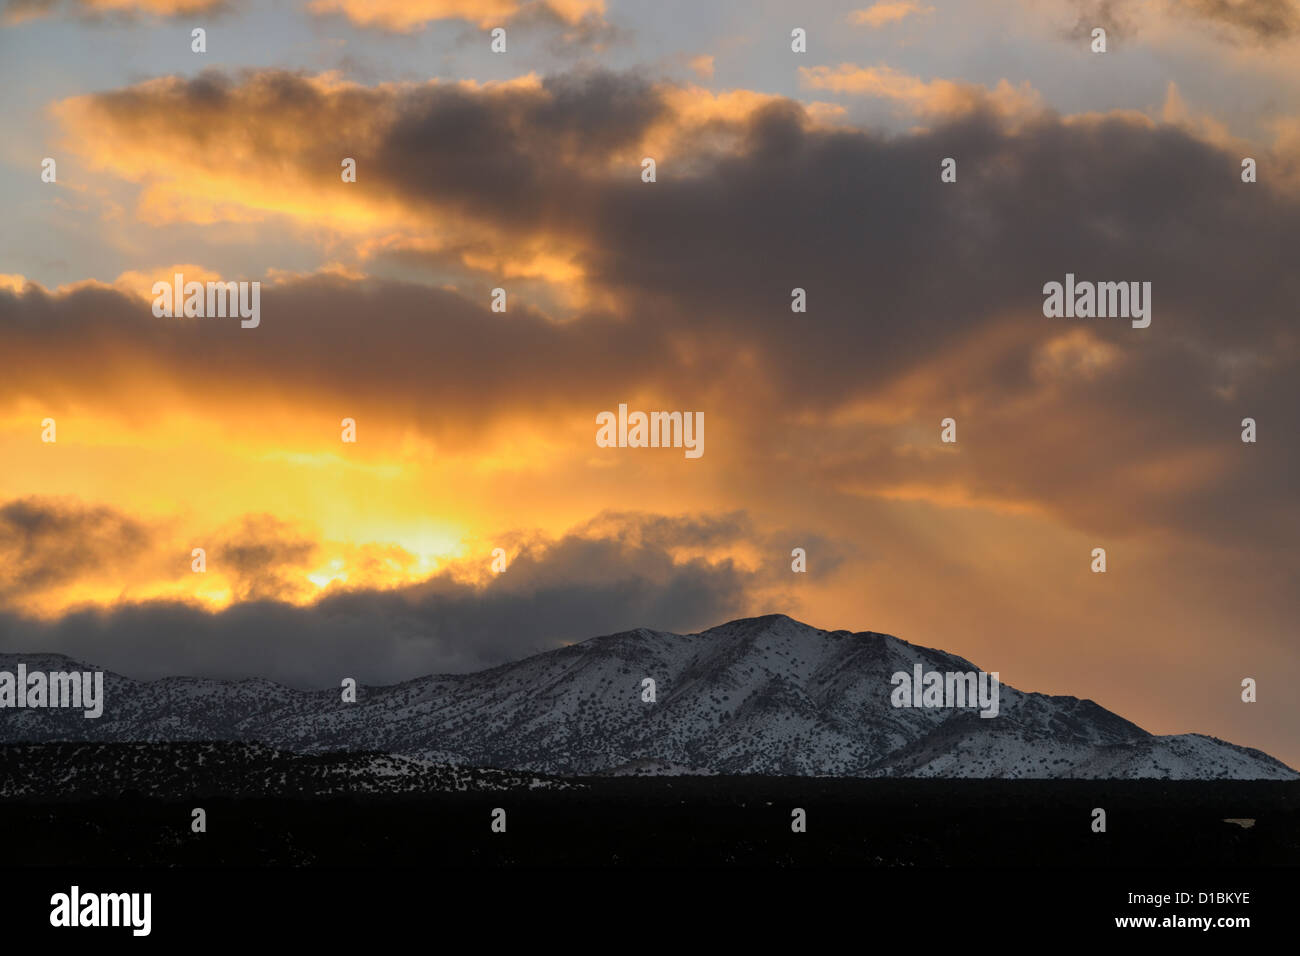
x: 758, y: 622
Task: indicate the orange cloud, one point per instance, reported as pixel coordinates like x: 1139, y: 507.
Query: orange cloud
x: 139, y: 282
x: 703, y: 66
x: 886, y: 12
x: 190, y: 182
x: 928, y: 98
x: 21, y: 12
x: 408, y: 15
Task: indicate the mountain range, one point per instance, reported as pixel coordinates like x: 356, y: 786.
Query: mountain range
x: 765, y: 695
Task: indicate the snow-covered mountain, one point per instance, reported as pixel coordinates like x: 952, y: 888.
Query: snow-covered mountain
x: 764, y: 695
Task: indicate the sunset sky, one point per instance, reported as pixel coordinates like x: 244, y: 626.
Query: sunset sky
x: 476, y: 429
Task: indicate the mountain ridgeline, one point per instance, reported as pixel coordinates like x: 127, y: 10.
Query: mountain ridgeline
x: 766, y: 695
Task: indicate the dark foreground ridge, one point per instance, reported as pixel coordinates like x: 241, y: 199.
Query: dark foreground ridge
x: 267, y: 808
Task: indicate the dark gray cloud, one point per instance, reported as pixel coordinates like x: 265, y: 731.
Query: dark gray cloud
x: 373, y: 350
x: 1258, y: 19
x: 1116, y: 17
x: 266, y: 558
x: 529, y: 157
x: 46, y: 542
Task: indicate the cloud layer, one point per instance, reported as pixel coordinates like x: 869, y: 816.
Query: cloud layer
x: 596, y: 579
x: 924, y: 297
